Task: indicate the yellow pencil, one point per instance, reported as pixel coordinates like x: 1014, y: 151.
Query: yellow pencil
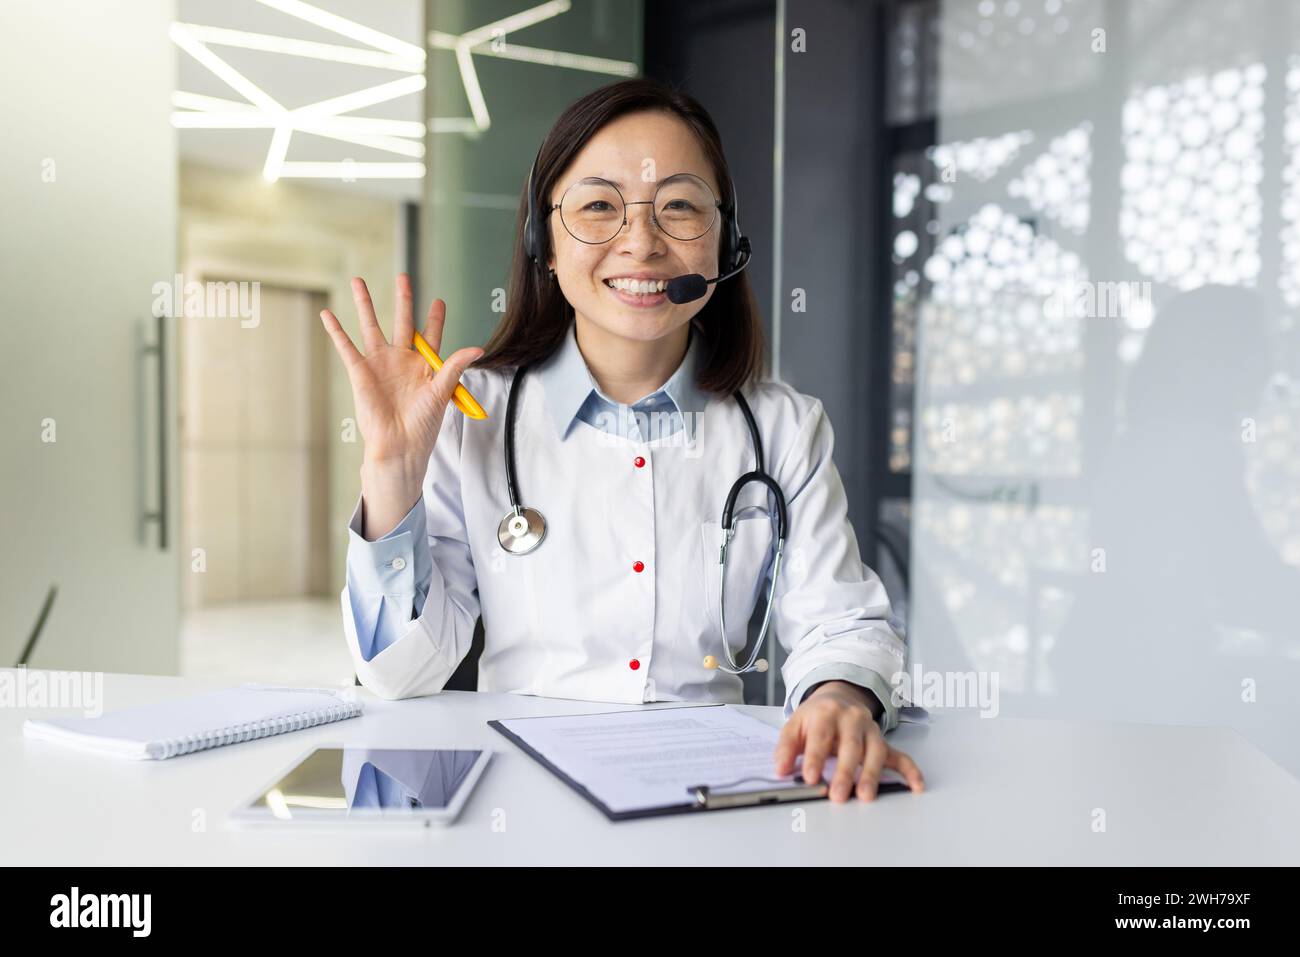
x: 464, y: 401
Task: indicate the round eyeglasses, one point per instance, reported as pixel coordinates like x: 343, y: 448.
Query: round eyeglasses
x: 594, y: 211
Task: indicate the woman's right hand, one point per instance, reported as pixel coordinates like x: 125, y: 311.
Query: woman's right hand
x: 400, y: 402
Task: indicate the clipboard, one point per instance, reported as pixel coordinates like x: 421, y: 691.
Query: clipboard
x: 728, y: 796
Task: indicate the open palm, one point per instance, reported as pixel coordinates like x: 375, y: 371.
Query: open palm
x: 400, y: 401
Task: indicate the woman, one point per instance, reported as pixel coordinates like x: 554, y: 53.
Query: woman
x: 628, y: 439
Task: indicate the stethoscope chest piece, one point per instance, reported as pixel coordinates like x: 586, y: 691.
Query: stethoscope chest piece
x: 521, y: 531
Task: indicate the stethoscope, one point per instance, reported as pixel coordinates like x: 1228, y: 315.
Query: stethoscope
x: 523, y: 528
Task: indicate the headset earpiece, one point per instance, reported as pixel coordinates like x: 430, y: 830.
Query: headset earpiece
x: 730, y: 253
x: 534, y: 225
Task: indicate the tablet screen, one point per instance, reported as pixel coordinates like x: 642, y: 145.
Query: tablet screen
x: 359, y: 780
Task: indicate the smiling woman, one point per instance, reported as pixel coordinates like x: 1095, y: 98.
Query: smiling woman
x: 600, y: 167
x: 634, y: 568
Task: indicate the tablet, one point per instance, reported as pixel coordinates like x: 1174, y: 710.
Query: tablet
x: 368, y: 786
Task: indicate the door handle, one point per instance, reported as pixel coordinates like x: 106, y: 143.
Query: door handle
x: 157, y: 350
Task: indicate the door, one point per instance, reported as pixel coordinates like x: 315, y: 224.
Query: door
x: 255, y: 453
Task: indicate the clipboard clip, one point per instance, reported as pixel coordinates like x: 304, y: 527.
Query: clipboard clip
x: 707, y: 798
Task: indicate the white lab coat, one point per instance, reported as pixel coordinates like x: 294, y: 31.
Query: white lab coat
x: 573, y: 619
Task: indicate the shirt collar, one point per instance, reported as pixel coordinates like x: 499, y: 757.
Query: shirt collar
x: 568, y: 382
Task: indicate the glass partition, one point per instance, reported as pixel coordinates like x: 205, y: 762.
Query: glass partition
x: 488, y: 112
x: 1096, y: 253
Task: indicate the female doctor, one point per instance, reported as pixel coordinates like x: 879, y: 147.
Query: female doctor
x: 583, y: 518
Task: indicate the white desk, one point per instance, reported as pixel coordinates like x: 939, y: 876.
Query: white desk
x: 1000, y: 791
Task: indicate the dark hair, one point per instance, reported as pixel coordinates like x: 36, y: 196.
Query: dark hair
x: 537, y: 314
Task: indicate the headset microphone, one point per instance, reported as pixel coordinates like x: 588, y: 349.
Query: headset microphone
x: 693, y: 286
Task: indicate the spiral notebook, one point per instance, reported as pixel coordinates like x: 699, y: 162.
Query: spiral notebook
x: 158, y: 731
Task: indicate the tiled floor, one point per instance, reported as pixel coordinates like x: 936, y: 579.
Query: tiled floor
x: 287, y: 642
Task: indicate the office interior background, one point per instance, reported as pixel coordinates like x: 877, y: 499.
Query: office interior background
x: 1039, y: 258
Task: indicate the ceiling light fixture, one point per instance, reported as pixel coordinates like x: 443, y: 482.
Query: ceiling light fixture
x: 260, y: 110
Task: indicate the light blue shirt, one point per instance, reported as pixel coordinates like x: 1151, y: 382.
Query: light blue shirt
x: 402, y: 778
x: 393, y: 565
x: 375, y: 789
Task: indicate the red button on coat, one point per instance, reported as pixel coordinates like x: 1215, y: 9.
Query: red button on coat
x: 634, y: 664
x: 638, y: 462
x: 638, y: 566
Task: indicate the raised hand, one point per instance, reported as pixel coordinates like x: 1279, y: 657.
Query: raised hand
x: 400, y: 402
